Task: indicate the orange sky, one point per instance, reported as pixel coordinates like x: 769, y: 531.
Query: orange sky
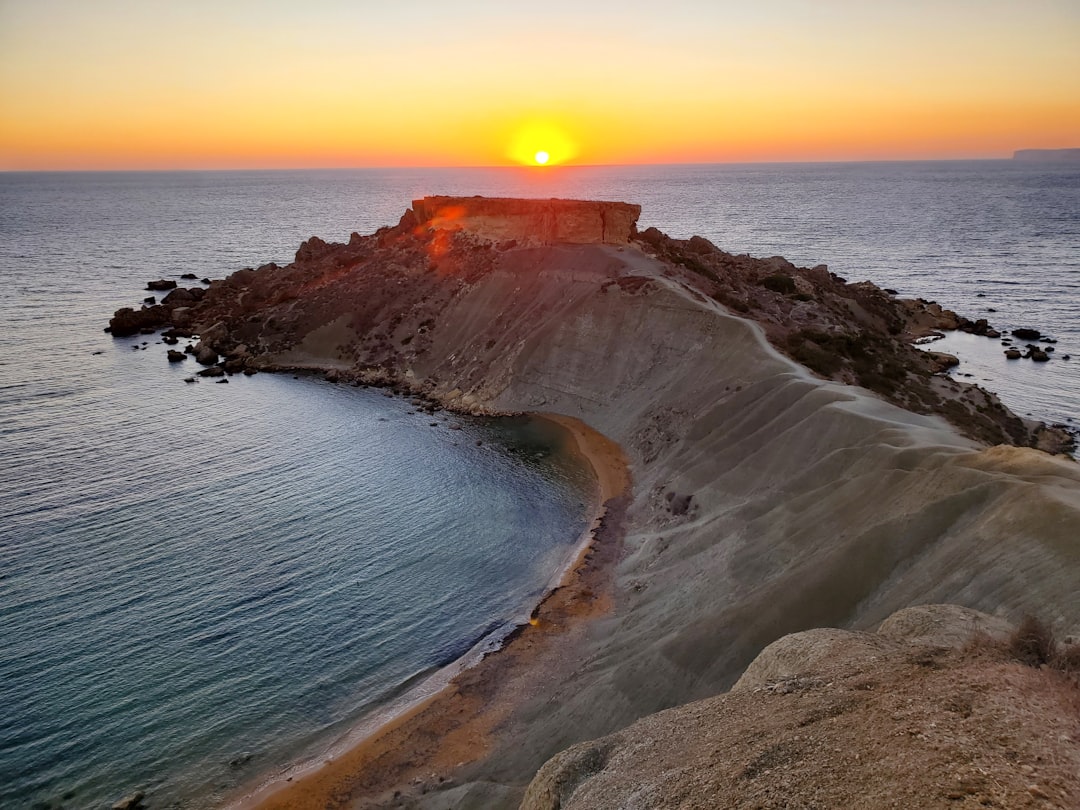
x: 335, y: 83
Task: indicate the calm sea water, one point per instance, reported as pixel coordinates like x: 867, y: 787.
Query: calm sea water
x: 192, y: 574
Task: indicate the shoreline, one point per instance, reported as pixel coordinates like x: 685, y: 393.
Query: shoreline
x: 427, y: 740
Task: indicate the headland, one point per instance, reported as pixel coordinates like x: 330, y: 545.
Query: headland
x: 796, y: 463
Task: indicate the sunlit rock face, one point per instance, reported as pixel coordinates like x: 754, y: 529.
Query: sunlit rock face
x: 581, y: 222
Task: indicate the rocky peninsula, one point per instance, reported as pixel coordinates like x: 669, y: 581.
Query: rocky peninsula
x: 794, y: 463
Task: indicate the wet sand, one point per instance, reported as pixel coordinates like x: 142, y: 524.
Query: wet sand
x: 423, y: 747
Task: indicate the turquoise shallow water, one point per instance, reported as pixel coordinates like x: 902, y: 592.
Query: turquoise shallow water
x: 192, y: 574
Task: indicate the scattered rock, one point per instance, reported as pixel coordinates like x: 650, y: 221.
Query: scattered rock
x: 941, y: 361
x: 213, y: 371
x: 132, y: 802
x: 176, y: 357
x: 189, y: 379
x: 149, y: 300
x: 1013, y: 354
x: 181, y: 296
x: 1026, y: 334
x: 204, y: 355
x: 161, y: 284
x: 189, y: 276
x: 1038, y: 355
x: 222, y: 380
x: 127, y: 321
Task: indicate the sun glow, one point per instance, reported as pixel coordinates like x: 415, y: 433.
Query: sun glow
x: 541, y: 143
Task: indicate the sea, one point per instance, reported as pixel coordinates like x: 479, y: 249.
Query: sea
x: 205, y: 584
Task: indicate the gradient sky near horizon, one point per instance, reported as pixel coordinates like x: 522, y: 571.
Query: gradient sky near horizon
x: 139, y: 84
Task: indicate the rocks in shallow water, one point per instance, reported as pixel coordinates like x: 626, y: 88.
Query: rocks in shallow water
x: 132, y: 802
x: 179, y: 297
x: 213, y: 371
x: 176, y: 357
x: 1026, y: 334
x: 149, y: 300
x: 1038, y: 355
x: 942, y: 361
x: 127, y: 321
x: 1013, y: 354
x: 169, y: 340
x: 993, y: 333
x: 222, y: 380
x: 161, y: 284
x: 189, y: 379
x: 204, y: 355
x: 189, y: 276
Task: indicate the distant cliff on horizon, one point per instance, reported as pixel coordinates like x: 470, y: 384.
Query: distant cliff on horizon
x: 1047, y: 155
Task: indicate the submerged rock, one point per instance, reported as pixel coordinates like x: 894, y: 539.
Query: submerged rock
x: 132, y: 802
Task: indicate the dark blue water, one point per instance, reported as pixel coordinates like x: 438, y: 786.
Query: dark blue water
x: 193, y: 573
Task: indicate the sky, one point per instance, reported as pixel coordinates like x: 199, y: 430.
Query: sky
x: 213, y: 84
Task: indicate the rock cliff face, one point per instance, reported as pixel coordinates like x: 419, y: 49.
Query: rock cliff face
x: 766, y: 500
x: 582, y: 222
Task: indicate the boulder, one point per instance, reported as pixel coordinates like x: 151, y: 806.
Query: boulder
x: 161, y: 284
x: 128, y: 321
x: 213, y: 371
x: 189, y: 276
x: 940, y: 361
x: 132, y: 802
x: 1013, y: 354
x: 176, y: 357
x: 204, y: 355
x: 181, y: 296
x: 1026, y: 334
x: 1038, y: 355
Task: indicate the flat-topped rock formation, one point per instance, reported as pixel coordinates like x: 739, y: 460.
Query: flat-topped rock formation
x: 579, y: 222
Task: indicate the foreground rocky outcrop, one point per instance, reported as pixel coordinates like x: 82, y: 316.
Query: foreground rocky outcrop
x: 767, y: 499
x: 932, y: 710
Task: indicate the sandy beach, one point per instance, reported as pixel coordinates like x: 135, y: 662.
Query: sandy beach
x: 426, y: 744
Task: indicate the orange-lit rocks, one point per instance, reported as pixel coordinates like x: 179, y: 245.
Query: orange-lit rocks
x: 581, y: 222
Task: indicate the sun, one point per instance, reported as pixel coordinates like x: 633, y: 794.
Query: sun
x: 537, y: 142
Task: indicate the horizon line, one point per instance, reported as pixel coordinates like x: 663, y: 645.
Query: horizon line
x: 548, y: 168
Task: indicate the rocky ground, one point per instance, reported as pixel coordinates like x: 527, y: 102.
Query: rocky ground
x: 382, y: 294
x: 937, y: 709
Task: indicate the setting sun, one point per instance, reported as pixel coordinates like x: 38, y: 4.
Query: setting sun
x: 540, y: 142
